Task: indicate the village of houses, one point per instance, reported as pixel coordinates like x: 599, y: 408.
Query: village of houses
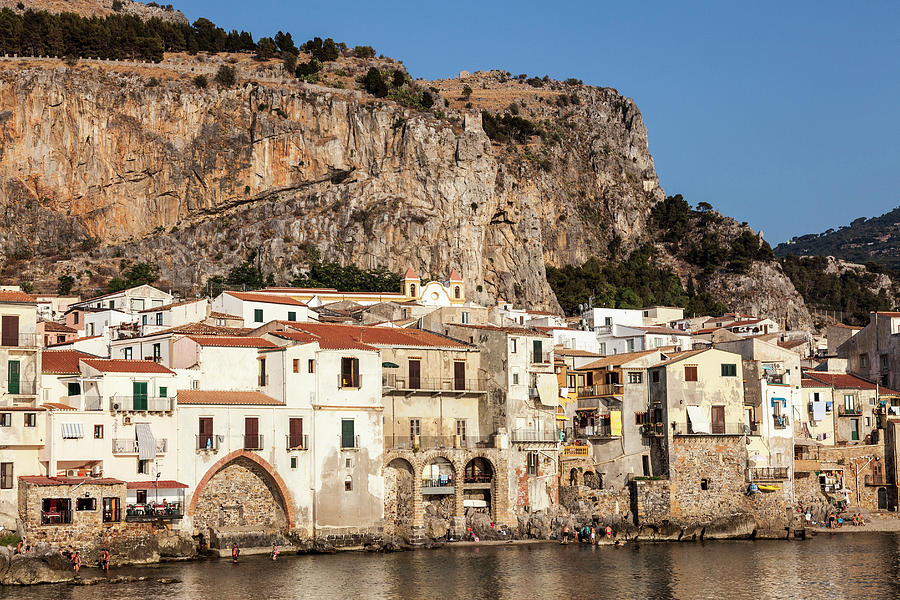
x: 287, y: 414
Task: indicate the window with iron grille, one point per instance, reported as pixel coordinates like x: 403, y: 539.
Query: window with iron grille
x: 533, y: 464
x: 6, y: 476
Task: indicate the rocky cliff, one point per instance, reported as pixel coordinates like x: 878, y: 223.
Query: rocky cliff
x: 99, y: 8
x: 102, y: 162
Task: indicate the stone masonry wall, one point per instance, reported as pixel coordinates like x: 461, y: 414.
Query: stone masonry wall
x: 241, y: 495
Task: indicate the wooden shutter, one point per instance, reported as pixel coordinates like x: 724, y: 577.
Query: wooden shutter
x: 10, y: 333
x: 718, y: 419
x: 295, y: 429
x: 415, y: 374
x: 459, y: 375
x: 355, y: 372
x: 206, y: 431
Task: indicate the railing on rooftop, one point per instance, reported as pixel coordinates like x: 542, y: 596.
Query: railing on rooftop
x: 141, y: 404
x: 154, y: 511
x: 768, y: 473
x: 406, y: 442
x: 433, y: 384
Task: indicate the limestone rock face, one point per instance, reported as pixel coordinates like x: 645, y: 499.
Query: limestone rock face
x: 31, y: 569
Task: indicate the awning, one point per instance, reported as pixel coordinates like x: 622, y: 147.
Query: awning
x: 390, y: 365
x: 548, y: 389
x: 699, y: 422
x: 72, y: 431
x: 146, y: 443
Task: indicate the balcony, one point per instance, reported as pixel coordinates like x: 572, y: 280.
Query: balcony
x: 208, y: 442
x: 442, y: 486
x: 91, y: 402
x: 138, y: 513
x: 402, y: 383
x: 22, y: 388
x: 878, y: 479
x: 533, y: 435
x: 601, y: 389
x: 780, y: 421
x: 141, y: 404
x: 843, y: 411
x: 129, y: 446
x: 296, y: 442
x: 541, y: 358
x: 30, y: 341
x: 345, y: 381
x: 253, y: 441
x: 576, y: 451
x: 348, y: 442
x: 595, y: 431
x: 720, y: 429
x: 767, y: 473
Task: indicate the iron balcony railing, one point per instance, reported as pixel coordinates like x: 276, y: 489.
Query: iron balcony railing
x: 129, y: 446
x: 595, y: 431
x: 348, y: 381
x: 433, y: 384
x: 843, y: 411
x: 533, y: 435
x: 141, y: 404
x: 714, y: 429
x: 875, y: 480
x: 541, y: 358
x: 21, y: 340
x: 253, y: 441
x: 350, y: 442
x: 780, y: 421
x: 297, y: 442
x: 442, y: 481
x: 208, y: 441
x: 22, y: 388
x: 768, y: 473
x: 154, y: 512
x: 601, y: 389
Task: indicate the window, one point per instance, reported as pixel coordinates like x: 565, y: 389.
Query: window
x: 849, y: 402
x: 143, y: 319
x: 513, y: 345
x: 56, y: 511
x: 461, y: 429
x: 74, y: 389
x: 85, y: 504
x: 690, y: 373
x: 464, y: 317
x: 295, y: 433
x: 159, y: 320
x: 349, y: 372
x: 533, y: 464
x: 6, y: 476
x: 348, y: 463
x: 884, y: 362
x: 729, y: 370
x: 157, y: 351
x: 603, y: 348
x: 263, y: 379
x: 630, y: 344
x: 292, y: 315
x: 112, y: 510
x: 112, y: 303
x: 76, y: 315
x: 141, y: 496
x: 635, y: 377
x: 98, y: 432
x: 412, y: 290
x: 163, y: 392
x: 143, y: 467
x: 90, y: 327
x: 456, y: 292
x: 293, y: 462
x: 854, y: 430
x: 864, y: 361
x: 640, y: 418
x: 415, y: 428
x: 311, y: 365
x: 205, y: 434
x: 348, y: 433
x: 868, y: 422
x: 704, y: 484
x: 30, y: 419
x: 258, y: 315
x: 5, y: 419
x: 296, y: 365
x: 348, y: 484
x: 126, y: 353
x: 515, y: 378
x: 654, y: 376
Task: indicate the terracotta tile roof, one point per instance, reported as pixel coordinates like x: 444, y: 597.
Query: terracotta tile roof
x: 332, y: 336
x: 744, y: 323
x: 841, y: 325
x: 70, y: 342
x: 221, y: 315
x: 559, y: 351
x: 455, y: 276
x: 807, y: 382
x: 231, y: 342
x: 893, y: 315
x: 270, y: 298
x: 19, y: 297
x: 57, y: 406
x: 165, y: 484
x: 21, y: 408
x: 843, y: 381
x: 679, y: 356
x: 204, y: 329
x: 41, y: 480
x: 660, y: 330
x: 171, y: 305
x: 186, y: 397
x: 546, y: 313
x: 117, y: 365
x: 791, y: 344
x: 410, y: 274
x: 53, y: 326
x: 511, y: 330
x: 621, y: 359
x: 119, y: 292
x: 62, y: 362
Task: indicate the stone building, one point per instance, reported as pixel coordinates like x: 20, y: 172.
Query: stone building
x: 873, y: 352
x: 856, y: 403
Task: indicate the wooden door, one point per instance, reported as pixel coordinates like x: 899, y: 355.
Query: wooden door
x: 14, y: 377
x: 251, y: 433
x: 10, y: 333
x: 206, y: 433
x: 718, y: 419
x: 139, y: 395
x: 415, y: 374
x: 295, y: 429
x: 459, y: 375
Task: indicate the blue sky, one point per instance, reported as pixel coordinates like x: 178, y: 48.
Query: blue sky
x: 782, y: 114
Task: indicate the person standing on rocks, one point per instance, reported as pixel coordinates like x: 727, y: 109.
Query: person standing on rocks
x: 235, y: 552
x: 76, y: 562
x: 275, y: 551
x: 104, y: 560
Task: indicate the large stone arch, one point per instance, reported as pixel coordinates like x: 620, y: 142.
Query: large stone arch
x: 400, y: 495
x: 231, y: 469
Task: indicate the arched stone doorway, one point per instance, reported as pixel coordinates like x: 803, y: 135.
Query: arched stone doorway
x: 593, y: 480
x: 438, y: 496
x: 478, y: 484
x: 399, y: 496
x: 573, y: 477
x: 241, y: 492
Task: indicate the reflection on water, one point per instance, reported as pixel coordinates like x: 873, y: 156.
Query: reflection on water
x: 829, y: 566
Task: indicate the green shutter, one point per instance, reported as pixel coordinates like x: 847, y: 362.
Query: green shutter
x: 74, y: 389
x: 347, y: 433
x: 258, y: 315
x: 13, y: 377
x: 163, y: 392
x: 139, y: 389
x: 292, y: 316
